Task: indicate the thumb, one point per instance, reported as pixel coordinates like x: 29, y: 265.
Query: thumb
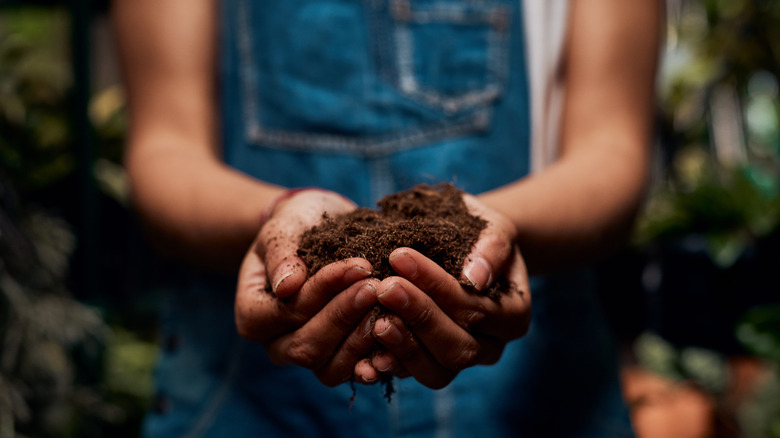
x: 493, y: 251
x: 279, y: 248
x: 487, y: 259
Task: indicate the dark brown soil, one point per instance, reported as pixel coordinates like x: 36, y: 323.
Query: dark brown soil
x: 432, y: 220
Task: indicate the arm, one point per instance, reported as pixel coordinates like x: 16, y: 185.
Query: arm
x: 583, y: 206
x: 568, y: 214
x: 195, y: 207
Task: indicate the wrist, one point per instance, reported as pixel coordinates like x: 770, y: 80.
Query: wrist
x: 288, y: 194
x: 285, y: 195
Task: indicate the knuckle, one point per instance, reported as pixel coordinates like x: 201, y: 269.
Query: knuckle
x: 465, y: 357
x: 506, y: 248
x: 408, y: 350
x: 473, y: 316
x: 297, y: 318
x: 357, y: 346
x: 304, y: 354
x: 441, y: 284
x: 411, y: 348
x: 421, y: 319
x: 341, y: 320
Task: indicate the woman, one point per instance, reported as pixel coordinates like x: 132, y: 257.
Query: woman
x: 233, y: 103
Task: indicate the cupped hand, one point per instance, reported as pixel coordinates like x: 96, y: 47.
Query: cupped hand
x: 277, y: 242
x: 437, y: 327
x: 305, y: 321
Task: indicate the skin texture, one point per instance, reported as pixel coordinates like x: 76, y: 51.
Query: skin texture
x: 199, y: 210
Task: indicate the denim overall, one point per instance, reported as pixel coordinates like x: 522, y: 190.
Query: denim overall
x: 366, y: 98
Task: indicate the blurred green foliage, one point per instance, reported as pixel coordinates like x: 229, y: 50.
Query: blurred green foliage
x: 731, y: 208
x: 721, y: 177
x: 727, y: 189
x: 49, y: 340
x: 35, y: 145
x: 64, y: 371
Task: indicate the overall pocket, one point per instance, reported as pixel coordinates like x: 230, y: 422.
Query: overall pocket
x: 451, y: 55
x: 368, y: 77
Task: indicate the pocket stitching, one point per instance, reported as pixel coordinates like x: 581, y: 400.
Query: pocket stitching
x: 370, y: 146
x: 496, y: 16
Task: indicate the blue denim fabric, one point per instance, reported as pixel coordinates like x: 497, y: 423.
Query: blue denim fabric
x: 369, y: 97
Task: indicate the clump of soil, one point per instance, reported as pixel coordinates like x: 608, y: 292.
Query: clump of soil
x: 433, y: 220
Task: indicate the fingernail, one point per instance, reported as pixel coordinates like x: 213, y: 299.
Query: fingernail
x: 283, y: 273
x: 382, y: 363
x: 394, y: 297
x: 356, y: 273
x: 478, y: 273
x: 364, y: 372
x: 365, y: 297
x: 386, y: 332
x: 371, y: 379
x: 404, y: 264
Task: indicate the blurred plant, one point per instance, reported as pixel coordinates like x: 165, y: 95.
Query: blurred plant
x: 50, y: 343
x: 719, y: 90
x: 34, y: 85
x: 759, y: 331
x: 703, y: 367
x: 730, y: 209
x: 63, y: 370
x: 36, y: 149
x: 719, y: 183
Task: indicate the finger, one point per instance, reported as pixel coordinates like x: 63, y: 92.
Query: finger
x: 261, y: 316
x: 490, y: 254
x: 504, y: 319
x: 281, y: 234
x: 466, y: 309
x: 365, y: 373
x: 279, y: 240
x: 517, y: 317
x: 386, y: 363
x: 355, y: 348
x: 381, y: 365
x: 414, y: 357
x: 252, y: 300
x: 346, y: 362
x: 329, y: 281
x: 314, y: 344
x: 447, y: 342
x: 486, y: 261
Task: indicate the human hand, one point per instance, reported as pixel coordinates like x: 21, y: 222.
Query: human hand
x: 305, y: 321
x: 436, y: 327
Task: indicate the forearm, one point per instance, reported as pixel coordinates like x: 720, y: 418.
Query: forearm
x: 582, y: 206
x: 195, y: 208
x: 579, y: 209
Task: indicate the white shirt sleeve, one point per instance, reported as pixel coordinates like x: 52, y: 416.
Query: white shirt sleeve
x: 546, y: 23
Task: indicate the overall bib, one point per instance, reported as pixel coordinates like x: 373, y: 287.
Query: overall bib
x: 366, y: 98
